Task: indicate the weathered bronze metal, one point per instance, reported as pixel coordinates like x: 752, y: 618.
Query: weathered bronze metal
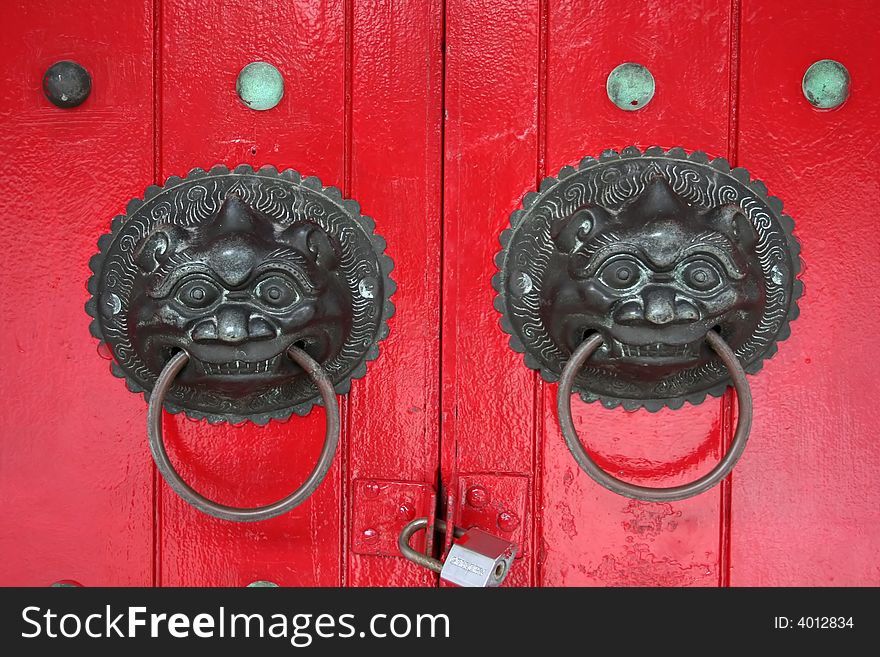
x: 260, y: 86
x: 223, y: 511
x: 826, y: 84
x: 652, y: 251
x: 702, y: 484
x: 630, y: 86
x: 234, y: 268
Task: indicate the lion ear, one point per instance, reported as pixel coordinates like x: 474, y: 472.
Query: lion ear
x: 579, y: 226
x: 160, y: 245
x: 730, y: 220
x: 313, y: 242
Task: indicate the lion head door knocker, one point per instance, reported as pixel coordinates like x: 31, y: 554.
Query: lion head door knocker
x: 647, y: 280
x: 241, y: 295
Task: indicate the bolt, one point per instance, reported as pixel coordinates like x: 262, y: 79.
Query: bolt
x: 370, y: 536
x: 477, y: 497
x: 405, y: 511
x: 508, y: 521
x: 371, y: 489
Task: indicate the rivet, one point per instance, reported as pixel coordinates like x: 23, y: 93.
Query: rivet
x: 260, y: 86
x: 67, y: 84
x: 406, y: 512
x: 477, y: 497
x: 370, y: 535
x: 507, y: 521
x: 65, y: 583
x: 262, y: 584
x: 367, y: 287
x: 826, y: 84
x: 630, y: 86
x: 371, y: 489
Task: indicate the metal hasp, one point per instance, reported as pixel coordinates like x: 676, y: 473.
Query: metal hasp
x: 476, y: 558
x: 241, y: 295
x: 661, y: 260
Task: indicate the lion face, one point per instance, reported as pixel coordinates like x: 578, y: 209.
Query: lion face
x: 235, y: 294
x: 653, y: 279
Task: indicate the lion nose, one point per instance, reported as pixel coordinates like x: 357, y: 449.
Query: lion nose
x: 659, y: 305
x: 662, y: 307
x: 232, y: 324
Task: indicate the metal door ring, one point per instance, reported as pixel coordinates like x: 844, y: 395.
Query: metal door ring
x: 633, y: 491
x: 178, y: 485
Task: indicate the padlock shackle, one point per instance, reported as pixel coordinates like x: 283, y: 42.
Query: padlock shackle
x: 414, y: 555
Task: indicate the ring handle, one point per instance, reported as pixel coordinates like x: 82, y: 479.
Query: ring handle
x: 178, y: 485
x: 646, y: 493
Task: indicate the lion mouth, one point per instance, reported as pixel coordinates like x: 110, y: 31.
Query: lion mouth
x: 239, y: 367
x: 612, y: 349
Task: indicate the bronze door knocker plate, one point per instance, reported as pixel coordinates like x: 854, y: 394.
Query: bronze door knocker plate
x: 249, y: 295
x: 648, y: 257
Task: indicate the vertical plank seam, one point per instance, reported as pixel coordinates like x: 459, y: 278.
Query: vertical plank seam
x: 348, y: 140
x: 156, y: 496
x: 724, y: 548
x: 448, y: 429
x: 438, y: 478
x: 538, y: 437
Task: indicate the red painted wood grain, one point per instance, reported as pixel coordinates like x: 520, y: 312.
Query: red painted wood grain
x: 75, y: 471
x: 590, y: 536
x: 362, y: 113
x: 806, y: 507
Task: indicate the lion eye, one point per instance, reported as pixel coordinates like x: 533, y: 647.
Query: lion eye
x: 621, y: 274
x: 701, y: 276
x: 277, y: 292
x: 199, y: 293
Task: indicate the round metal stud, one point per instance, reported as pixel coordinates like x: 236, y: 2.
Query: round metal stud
x: 630, y: 86
x: 260, y: 86
x: 262, y: 584
x: 826, y: 84
x: 67, y: 84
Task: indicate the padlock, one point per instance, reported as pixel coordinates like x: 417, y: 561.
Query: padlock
x: 476, y: 558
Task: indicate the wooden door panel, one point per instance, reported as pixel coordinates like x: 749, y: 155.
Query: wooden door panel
x: 362, y: 113
x: 590, y: 535
x: 203, y: 123
x: 525, y: 95
x: 75, y: 473
x: 396, y: 124
x: 491, y: 144
x: 361, y: 110
x: 804, y: 508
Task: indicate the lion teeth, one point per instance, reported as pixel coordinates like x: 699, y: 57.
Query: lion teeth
x: 241, y: 366
x: 655, y: 349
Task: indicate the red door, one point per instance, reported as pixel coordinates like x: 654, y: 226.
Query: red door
x: 525, y: 96
x: 362, y: 111
x: 437, y: 120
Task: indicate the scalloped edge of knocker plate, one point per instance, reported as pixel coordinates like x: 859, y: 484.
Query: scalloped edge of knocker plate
x: 698, y: 157
x: 350, y: 206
